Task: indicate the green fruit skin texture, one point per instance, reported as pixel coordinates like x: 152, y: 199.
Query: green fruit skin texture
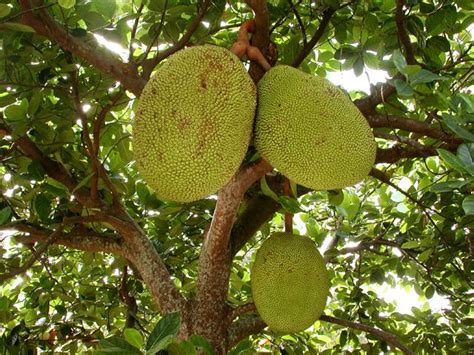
x: 290, y: 282
x: 193, y: 123
x: 310, y: 131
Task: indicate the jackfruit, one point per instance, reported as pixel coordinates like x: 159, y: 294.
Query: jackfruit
x: 310, y: 131
x: 290, y: 282
x: 193, y: 123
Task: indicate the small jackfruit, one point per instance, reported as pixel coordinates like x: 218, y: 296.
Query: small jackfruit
x: 290, y: 282
x: 193, y: 123
x: 310, y: 131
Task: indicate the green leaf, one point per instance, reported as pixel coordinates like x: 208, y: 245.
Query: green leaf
x: 456, y: 128
x: 447, y: 186
x: 164, y: 333
x: 16, y: 112
x: 411, y: 244
x: 267, y: 191
x: 423, y: 257
x: 199, y: 342
x: 290, y: 204
x: 452, y: 160
x: 429, y: 292
x: 134, y: 337
x: 13, y: 26
x: 424, y: 76
x: 116, y: 345
x: 5, y: 215
x: 83, y: 182
x: 468, y: 205
x: 66, y: 4
x: 399, y: 60
x: 403, y: 89
x: 4, y: 10
x: 42, y: 206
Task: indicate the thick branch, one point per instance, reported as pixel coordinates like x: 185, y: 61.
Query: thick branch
x: 242, y: 328
x: 380, y: 93
x: 390, y: 338
x: 316, y: 37
x: 46, y: 26
x: 258, y: 211
x: 54, y: 169
x: 410, y: 125
x: 216, y: 257
x: 79, y: 238
x: 402, y: 33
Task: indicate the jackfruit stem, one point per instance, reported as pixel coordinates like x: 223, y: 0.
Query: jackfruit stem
x: 253, y: 53
x: 288, y: 215
x: 239, y: 48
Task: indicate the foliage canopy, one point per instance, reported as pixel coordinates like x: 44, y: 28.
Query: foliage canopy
x: 88, y: 250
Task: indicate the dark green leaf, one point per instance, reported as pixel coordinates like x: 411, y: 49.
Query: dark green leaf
x: 456, y: 128
x: 5, y: 215
x: 468, y: 205
x: 164, y: 333
x: 133, y: 337
x: 116, y: 345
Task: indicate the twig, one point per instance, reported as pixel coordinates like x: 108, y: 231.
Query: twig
x: 390, y: 338
x: 300, y: 23
x: 148, y: 66
x: 35, y: 256
x: 134, y: 30
x: 327, y: 14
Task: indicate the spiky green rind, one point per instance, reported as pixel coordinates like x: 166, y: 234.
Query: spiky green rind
x: 193, y: 123
x: 310, y: 130
x: 290, y: 282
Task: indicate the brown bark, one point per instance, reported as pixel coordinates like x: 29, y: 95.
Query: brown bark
x: 210, y: 309
x: 45, y: 25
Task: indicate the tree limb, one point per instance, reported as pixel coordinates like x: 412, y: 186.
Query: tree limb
x: 36, y: 255
x: 410, y: 125
x: 402, y: 33
x: 327, y: 14
x: 150, y: 64
x: 216, y: 257
x: 258, y: 210
x: 46, y: 26
x: 379, y: 94
x: 245, y: 326
x: 390, y: 338
x: 261, y: 36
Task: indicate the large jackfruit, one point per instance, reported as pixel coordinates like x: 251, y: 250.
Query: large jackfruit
x: 310, y: 130
x: 290, y: 282
x: 193, y: 123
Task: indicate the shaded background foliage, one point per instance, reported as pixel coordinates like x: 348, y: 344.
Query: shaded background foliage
x: 409, y: 224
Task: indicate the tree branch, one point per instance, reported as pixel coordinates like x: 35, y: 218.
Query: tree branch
x: 258, y: 211
x: 261, y: 36
x: 245, y: 326
x: 379, y: 94
x: 216, y: 257
x: 327, y: 14
x: 36, y: 255
x: 402, y: 33
x: 46, y: 26
x: 390, y: 338
x: 300, y: 22
x: 79, y: 238
x: 150, y: 64
x: 410, y: 125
